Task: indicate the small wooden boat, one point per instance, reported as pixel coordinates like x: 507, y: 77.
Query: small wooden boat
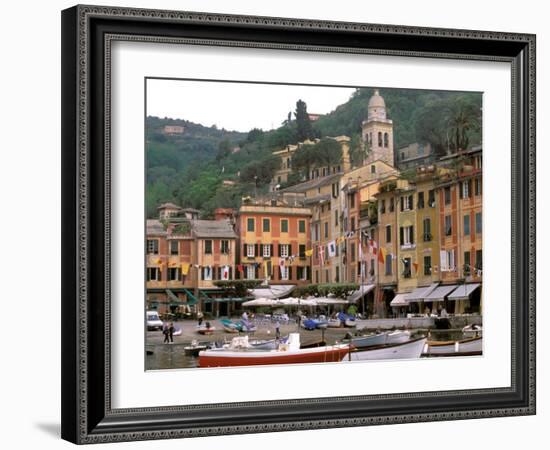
x: 472, y: 331
x: 407, y: 350
x: 465, y: 347
x: 334, y: 323
x: 313, y: 324
x: 398, y: 337
x: 369, y: 340
x: 178, y: 331
x: 206, y: 328
x: 287, y: 353
x: 350, y: 322
x: 194, y: 348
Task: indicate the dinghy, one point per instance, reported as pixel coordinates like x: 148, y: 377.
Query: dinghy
x: 408, y: 350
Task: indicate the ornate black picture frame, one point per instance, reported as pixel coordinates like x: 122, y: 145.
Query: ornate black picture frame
x: 87, y: 34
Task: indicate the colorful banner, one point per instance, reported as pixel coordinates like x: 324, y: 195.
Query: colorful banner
x: 184, y: 269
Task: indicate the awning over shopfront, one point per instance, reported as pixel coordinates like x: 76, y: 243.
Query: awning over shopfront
x: 399, y: 300
x: 420, y: 293
x: 364, y: 289
x: 174, y: 299
x: 439, y: 293
x: 463, y: 291
x: 276, y: 291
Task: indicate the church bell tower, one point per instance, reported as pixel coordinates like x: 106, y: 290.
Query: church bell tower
x: 377, y: 131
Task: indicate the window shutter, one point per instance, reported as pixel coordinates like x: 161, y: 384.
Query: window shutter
x: 256, y: 272
x: 401, y: 236
x: 270, y: 250
x: 469, y: 188
x: 402, y: 203
x: 412, y: 234
x: 256, y: 250
x: 280, y: 250
x: 289, y: 273
x: 461, y: 189
x: 245, y: 254
x: 411, y: 202
x: 202, y: 273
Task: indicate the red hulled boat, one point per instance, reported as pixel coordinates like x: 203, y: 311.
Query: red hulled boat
x: 287, y: 353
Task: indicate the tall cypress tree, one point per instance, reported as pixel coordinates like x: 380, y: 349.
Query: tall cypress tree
x: 303, y: 125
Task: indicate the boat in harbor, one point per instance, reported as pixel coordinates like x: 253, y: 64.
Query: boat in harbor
x: 465, y: 347
x: 206, y: 328
x: 472, y: 330
x: 240, y: 354
x: 229, y: 326
x: 194, y: 348
x: 398, y: 337
x: 314, y: 324
x: 369, y: 340
x: 334, y: 323
x: 411, y: 349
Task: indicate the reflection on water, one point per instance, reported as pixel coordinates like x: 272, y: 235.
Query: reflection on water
x: 169, y: 356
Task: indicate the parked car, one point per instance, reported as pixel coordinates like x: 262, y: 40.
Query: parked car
x: 153, y: 321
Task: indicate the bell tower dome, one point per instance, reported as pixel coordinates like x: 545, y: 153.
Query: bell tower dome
x: 377, y: 131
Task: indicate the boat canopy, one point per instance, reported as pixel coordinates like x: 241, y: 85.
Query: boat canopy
x: 439, y: 293
x: 463, y: 291
x: 277, y: 291
x: 359, y: 293
x: 420, y: 293
x: 399, y: 300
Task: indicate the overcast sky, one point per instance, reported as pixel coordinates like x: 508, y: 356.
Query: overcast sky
x: 237, y: 106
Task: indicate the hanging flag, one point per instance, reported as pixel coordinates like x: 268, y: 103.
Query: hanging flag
x: 381, y: 256
x: 309, y: 252
x: 415, y: 265
x: 225, y: 273
x: 360, y: 248
x: 266, y: 270
x: 158, y: 261
x: 340, y: 239
x: 282, y: 263
x: 321, y: 254
x: 240, y: 268
x: 331, y: 249
x: 374, y: 246
x: 184, y: 269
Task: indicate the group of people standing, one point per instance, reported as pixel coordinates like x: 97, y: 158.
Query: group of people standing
x: 168, y: 331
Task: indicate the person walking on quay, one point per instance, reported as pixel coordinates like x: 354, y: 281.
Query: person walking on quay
x: 166, y: 332
x: 171, y: 332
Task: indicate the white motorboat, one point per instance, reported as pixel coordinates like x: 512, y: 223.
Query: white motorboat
x: 465, y: 347
x: 287, y: 353
x: 398, y: 337
x: 472, y: 331
x: 408, y: 350
x: 334, y: 323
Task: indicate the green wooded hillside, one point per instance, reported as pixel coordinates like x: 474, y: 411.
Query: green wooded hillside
x: 206, y: 167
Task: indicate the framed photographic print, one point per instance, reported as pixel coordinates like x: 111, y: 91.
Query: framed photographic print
x: 283, y: 224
